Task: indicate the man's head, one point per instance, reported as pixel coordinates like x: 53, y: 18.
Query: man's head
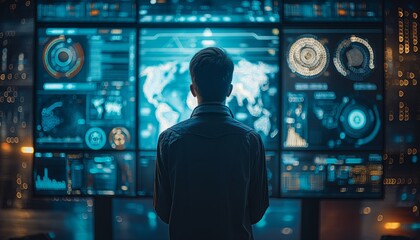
x: 211, y: 72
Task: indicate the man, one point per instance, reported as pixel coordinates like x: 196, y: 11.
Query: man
x: 211, y: 179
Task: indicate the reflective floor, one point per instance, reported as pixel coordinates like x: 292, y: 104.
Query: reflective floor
x: 133, y: 219
x: 65, y: 221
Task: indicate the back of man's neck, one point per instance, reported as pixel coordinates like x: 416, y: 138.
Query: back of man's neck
x: 211, y: 102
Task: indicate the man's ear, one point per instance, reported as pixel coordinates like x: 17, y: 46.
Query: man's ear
x: 193, y: 90
x: 229, y: 90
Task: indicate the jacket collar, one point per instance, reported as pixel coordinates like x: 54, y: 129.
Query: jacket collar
x: 215, y: 108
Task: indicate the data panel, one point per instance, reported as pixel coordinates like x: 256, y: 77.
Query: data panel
x: 214, y: 11
x: 86, y: 11
x: 332, y: 93
x: 333, y: 10
x: 76, y: 173
x: 331, y: 175
x: 86, y: 89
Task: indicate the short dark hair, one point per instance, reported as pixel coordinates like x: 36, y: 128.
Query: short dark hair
x: 211, y: 70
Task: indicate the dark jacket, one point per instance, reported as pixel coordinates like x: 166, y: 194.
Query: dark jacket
x: 211, y: 179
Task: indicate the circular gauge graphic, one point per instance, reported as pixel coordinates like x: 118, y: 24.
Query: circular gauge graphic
x: 354, y: 58
x: 95, y: 138
x: 308, y: 57
x: 63, y: 58
x: 119, y: 137
x: 359, y: 122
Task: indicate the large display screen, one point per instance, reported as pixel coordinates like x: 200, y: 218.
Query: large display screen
x: 87, y: 11
x: 332, y: 10
x: 200, y: 11
x: 331, y: 175
x: 146, y: 166
x: 77, y: 173
x: 332, y: 89
x: 164, y: 78
x: 85, y: 89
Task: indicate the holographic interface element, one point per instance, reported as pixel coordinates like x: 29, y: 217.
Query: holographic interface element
x: 332, y: 103
x: 62, y: 57
x: 333, y: 10
x: 164, y: 78
x: 86, y: 11
x: 50, y: 175
x: 201, y: 11
x: 331, y: 175
x: 308, y: 57
x: 75, y: 173
x: 86, y: 88
x: 354, y: 58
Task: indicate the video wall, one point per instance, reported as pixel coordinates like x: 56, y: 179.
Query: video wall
x: 112, y: 75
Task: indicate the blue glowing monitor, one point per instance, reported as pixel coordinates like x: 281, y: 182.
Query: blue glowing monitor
x: 332, y: 89
x: 164, y: 78
x: 86, y: 11
x: 77, y: 173
x: 85, y: 91
x: 332, y: 10
x: 215, y: 11
x: 331, y: 175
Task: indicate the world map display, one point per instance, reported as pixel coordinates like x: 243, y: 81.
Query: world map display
x: 165, y: 98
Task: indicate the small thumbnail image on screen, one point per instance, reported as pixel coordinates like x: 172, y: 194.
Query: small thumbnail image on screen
x: 84, y: 173
x: 332, y: 89
x: 200, y: 11
x: 164, y: 78
x: 86, y: 11
x: 86, y: 89
x: 146, y: 167
x: 331, y: 175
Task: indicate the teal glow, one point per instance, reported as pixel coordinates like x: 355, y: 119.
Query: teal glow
x: 357, y: 119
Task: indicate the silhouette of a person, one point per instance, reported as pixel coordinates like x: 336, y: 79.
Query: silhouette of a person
x: 211, y: 178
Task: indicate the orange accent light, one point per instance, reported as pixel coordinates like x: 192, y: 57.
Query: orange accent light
x: 27, y: 149
x: 392, y: 225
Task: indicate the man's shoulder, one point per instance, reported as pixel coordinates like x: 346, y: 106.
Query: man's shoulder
x: 169, y: 135
x: 175, y: 132
x: 228, y: 126
x: 241, y: 126
x: 179, y: 128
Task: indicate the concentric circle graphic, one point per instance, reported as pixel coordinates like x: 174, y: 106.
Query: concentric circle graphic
x: 95, y: 138
x: 357, y: 119
x: 359, y: 122
x: 354, y: 58
x: 119, y: 137
x: 63, y: 58
x: 308, y: 57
